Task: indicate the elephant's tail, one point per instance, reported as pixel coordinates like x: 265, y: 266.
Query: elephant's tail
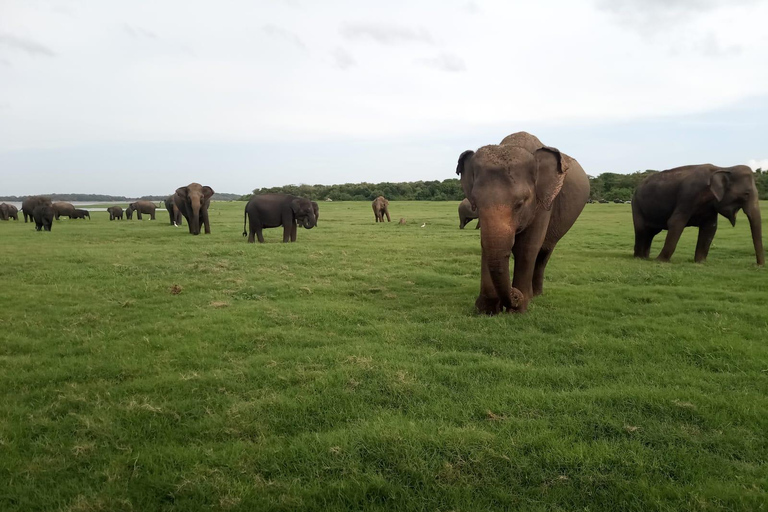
x: 245, y: 219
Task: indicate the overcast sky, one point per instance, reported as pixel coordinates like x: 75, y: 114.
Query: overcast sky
x: 132, y: 98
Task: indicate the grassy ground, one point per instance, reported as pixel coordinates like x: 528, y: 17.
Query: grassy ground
x: 142, y: 368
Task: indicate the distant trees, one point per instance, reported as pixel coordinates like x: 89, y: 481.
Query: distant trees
x: 446, y: 190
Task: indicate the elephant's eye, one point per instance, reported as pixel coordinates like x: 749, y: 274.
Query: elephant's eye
x: 519, y: 204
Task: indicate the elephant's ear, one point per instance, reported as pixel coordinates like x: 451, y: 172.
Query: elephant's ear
x: 464, y: 170
x: 462, y: 161
x: 207, y: 192
x: 182, y: 192
x: 719, y: 182
x: 551, y: 168
x: 296, y: 205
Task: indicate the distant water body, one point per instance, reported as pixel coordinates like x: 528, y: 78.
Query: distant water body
x: 106, y: 204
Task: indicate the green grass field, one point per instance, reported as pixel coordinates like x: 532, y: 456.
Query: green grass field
x: 347, y: 371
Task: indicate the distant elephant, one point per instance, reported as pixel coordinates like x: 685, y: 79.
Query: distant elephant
x: 29, y: 205
x: 173, y: 211
x: 466, y: 214
x: 62, y: 208
x: 380, y: 208
x: 527, y: 196
x: 115, y: 212
x: 274, y: 210
x: 693, y: 196
x: 193, y: 202
x: 140, y: 207
x: 8, y: 211
x: 43, y: 215
x: 81, y: 214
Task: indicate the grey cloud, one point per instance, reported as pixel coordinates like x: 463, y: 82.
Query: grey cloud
x: 281, y: 33
x: 138, y: 32
x: 25, y: 45
x: 343, y: 59
x: 445, y: 62
x: 710, y: 46
x: 652, y: 16
x: 471, y: 7
x: 385, y: 33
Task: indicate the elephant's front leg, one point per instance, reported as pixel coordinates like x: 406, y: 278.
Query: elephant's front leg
x: 207, y: 222
x: 706, y: 234
x: 526, y: 250
x: 488, y: 301
x: 294, y: 228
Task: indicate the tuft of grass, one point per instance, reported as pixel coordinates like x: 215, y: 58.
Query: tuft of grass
x: 142, y: 368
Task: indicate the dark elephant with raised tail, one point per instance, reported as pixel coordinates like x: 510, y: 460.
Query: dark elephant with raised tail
x: 173, y: 211
x: 43, y: 215
x: 275, y: 210
x: 694, y: 195
x: 527, y: 196
x: 193, y: 202
x: 115, y: 212
x: 29, y: 205
x: 145, y: 207
x: 8, y: 211
x: 466, y: 214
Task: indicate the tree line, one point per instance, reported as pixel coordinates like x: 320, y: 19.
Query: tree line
x: 113, y: 199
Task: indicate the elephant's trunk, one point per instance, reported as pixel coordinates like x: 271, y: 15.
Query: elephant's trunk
x: 195, y: 216
x: 755, y: 223
x: 497, y: 238
x: 309, y: 222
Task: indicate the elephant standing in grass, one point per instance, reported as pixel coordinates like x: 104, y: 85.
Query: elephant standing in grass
x: 29, y: 205
x: 62, y: 208
x: 8, y: 211
x: 43, y: 215
x: 115, y: 212
x: 693, y: 196
x: 193, y: 202
x: 466, y: 214
x: 380, y: 209
x: 81, y: 214
x: 146, y: 207
x: 274, y: 210
x: 527, y: 196
x: 173, y: 211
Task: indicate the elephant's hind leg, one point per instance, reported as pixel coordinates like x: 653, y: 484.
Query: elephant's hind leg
x: 538, y: 272
x: 643, y: 240
x: 706, y: 235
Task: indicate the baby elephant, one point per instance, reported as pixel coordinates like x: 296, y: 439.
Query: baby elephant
x: 81, y: 214
x: 115, y: 212
x: 43, y: 215
x: 466, y: 214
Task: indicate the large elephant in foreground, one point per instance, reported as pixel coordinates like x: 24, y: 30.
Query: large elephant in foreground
x: 29, y: 205
x: 147, y: 207
x: 62, y: 208
x: 274, y: 210
x: 173, y: 211
x: 466, y: 214
x: 693, y: 196
x: 8, y: 211
x: 381, y: 208
x: 527, y: 196
x: 193, y: 202
x: 115, y: 212
x: 43, y: 215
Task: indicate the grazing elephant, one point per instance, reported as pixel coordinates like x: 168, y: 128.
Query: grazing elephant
x: 193, y: 202
x: 43, y: 215
x: 274, y: 210
x: 173, y: 211
x: 380, y: 208
x: 115, y: 212
x: 140, y: 207
x: 81, y: 214
x: 693, y: 196
x: 62, y: 208
x: 466, y: 214
x: 527, y: 196
x: 8, y: 211
x: 29, y: 205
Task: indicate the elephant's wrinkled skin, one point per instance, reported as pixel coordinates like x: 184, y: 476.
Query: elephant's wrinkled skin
x: 115, y: 212
x: 466, y: 214
x: 173, y: 211
x: 380, y: 208
x: 146, y: 207
x: 693, y: 196
x: 527, y: 196
x: 29, y: 205
x: 274, y: 210
x: 193, y: 202
x: 43, y: 215
x: 63, y: 209
x: 8, y: 211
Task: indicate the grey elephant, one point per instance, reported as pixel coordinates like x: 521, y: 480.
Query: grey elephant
x: 115, y: 212
x: 527, y: 196
x: 173, y: 211
x: 275, y: 210
x: 193, y: 202
x: 694, y: 195
x: 63, y: 209
x: 43, y: 215
x: 29, y: 205
x: 381, y: 208
x: 8, y: 211
x: 81, y: 214
x: 466, y: 214
x: 145, y: 207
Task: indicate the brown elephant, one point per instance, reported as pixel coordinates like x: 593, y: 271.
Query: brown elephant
x: 193, y: 202
x: 8, y: 211
x: 115, y: 212
x: 173, y: 211
x: 146, y: 207
x: 29, y: 205
x: 693, y: 196
x: 527, y: 196
x: 62, y: 208
x: 466, y: 214
x: 380, y: 209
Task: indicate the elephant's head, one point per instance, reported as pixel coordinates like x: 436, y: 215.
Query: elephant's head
x: 734, y: 189
x: 316, y: 211
x: 196, y: 197
x: 304, y: 212
x: 508, y: 185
